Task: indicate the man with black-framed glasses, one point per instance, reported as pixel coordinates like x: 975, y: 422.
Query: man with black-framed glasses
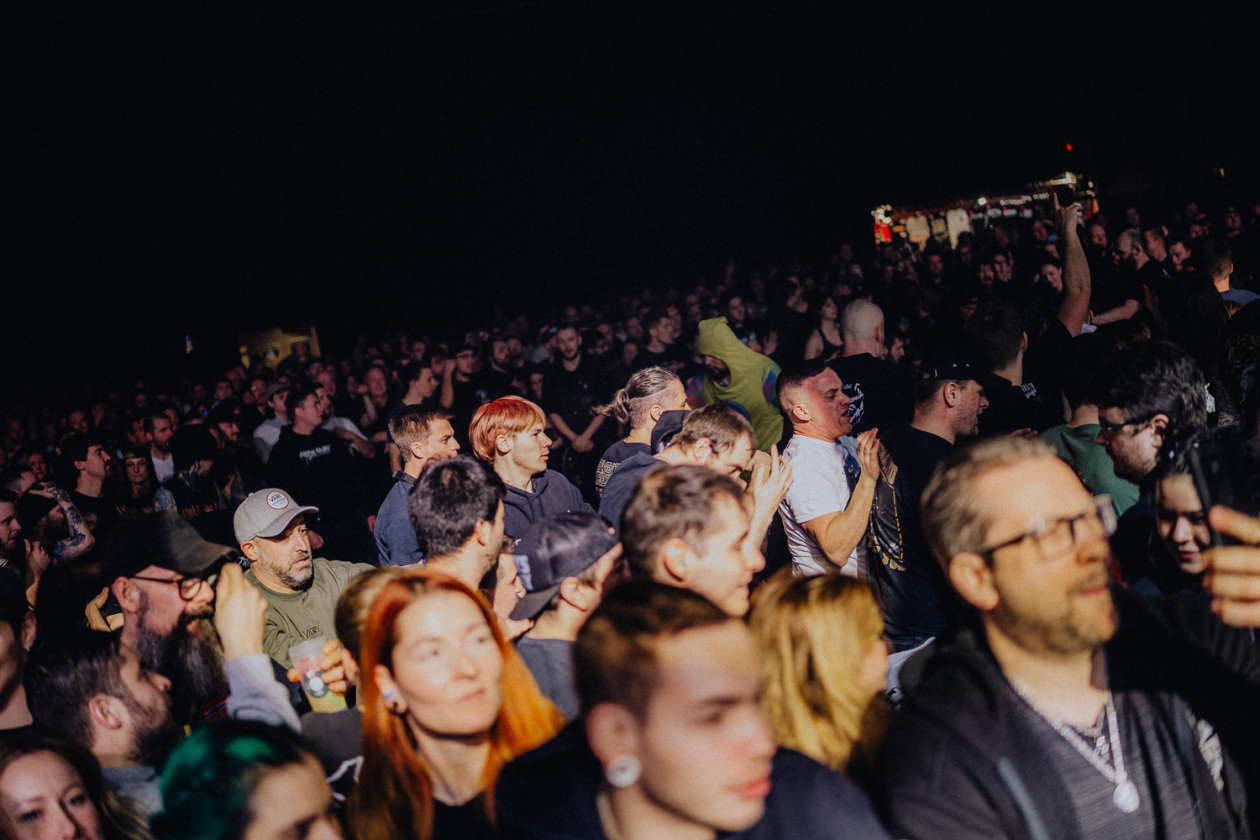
x: 1149, y: 396
x: 1062, y: 707
x: 170, y: 584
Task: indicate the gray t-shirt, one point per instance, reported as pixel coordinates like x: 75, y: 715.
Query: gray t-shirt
x: 551, y: 663
x: 1149, y: 747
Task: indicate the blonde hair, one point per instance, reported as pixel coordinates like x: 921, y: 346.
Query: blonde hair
x: 814, y: 634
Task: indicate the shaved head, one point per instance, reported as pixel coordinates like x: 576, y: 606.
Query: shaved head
x: 861, y: 321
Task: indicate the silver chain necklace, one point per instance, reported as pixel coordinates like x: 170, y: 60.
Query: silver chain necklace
x: 1125, y: 796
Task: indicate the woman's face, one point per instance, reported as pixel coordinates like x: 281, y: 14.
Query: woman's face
x: 447, y: 666
x: 137, y: 470
x: 38, y: 465
x: 43, y: 798
x: 292, y: 802
x: 828, y: 309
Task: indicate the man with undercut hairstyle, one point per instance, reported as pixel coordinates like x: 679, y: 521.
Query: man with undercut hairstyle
x: 456, y: 508
x: 880, y: 393
x: 301, y: 590
x: 826, y: 509
x: 91, y: 688
x: 268, y: 432
x: 688, y: 526
x: 422, y: 435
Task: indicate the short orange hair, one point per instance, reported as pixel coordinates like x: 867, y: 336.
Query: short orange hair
x: 506, y: 416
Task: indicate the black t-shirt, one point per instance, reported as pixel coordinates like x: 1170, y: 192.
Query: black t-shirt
x: 881, y: 394
x: 916, y: 596
x: 1038, y: 403
x: 573, y: 395
x: 338, y: 741
x: 671, y: 358
x: 463, y: 822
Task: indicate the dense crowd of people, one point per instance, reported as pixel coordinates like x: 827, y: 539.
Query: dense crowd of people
x: 955, y: 539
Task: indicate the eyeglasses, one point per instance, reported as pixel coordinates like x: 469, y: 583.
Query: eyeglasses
x: 1059, y: 536
x: 188, y: 586
x: 1106, y: 430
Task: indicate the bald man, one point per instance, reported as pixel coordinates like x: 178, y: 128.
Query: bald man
x: 881, y: 394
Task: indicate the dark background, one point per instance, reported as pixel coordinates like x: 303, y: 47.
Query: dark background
x: 209, y: 167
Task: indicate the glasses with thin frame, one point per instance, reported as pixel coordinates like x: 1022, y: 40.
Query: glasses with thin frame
x: 1056, y: 537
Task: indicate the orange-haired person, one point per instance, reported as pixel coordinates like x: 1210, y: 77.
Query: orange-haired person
x: 510, y: 434
x: 446, y: 703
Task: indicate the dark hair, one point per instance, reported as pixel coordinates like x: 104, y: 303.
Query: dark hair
x: 1155, y: 377
x: 995, y: 333
x: 155, y: 414
x: 64, y: 673
x: 671, y: 501
x: 297, y: 394
x: 614, y: 657
x: 793, y: 377
x: 192, y: 444
x: 448, y: 501
x: 1090, y: 353
x: 210, y: 779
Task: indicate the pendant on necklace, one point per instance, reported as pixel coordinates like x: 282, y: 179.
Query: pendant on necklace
x: 1126, y: 797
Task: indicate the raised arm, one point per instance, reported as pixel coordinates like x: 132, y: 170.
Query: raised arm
x: 1074, y: 308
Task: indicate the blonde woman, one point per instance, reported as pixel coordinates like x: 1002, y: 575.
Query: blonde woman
x: 824, y: 664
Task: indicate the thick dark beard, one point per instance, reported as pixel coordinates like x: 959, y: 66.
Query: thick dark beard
x: 193, y: 665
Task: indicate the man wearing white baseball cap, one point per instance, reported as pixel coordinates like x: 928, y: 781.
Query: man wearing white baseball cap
x: 301, y: 590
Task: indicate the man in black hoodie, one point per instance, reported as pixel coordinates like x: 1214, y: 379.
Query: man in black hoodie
x: 1062, y: 708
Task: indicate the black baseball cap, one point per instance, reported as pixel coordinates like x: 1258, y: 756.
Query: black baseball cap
x: 555, y: 548
x: 163, y: 539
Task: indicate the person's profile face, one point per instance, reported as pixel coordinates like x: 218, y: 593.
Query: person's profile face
x: 827, y: 404
x: 726, y: 561
x: 704, y: 743
x: 441, y: 443
x: 1181, y: 522
x: 531, y: 449
x: 43, y: 798
x: 292, y: 801
x: 447, y: 666
x: 10, y: 529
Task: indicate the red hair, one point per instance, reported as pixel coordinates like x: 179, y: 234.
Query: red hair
x: 394, y: 796
x: 507, y: 416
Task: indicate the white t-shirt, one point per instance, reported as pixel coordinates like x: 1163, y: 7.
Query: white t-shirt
x: 163, y: 468
x: 823, y: 475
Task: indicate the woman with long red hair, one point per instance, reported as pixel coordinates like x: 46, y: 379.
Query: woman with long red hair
x: 446, y: 703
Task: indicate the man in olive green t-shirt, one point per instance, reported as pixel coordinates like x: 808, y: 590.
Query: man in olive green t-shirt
x: 301, y: 591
